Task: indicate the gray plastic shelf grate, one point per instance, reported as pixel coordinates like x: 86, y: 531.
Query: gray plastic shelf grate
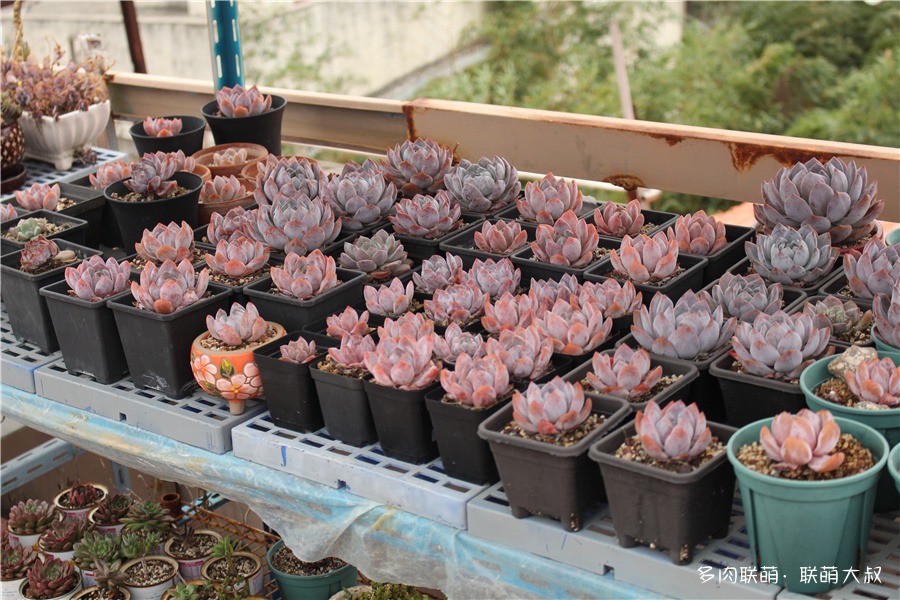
x: 39, y: 171
x: 19, y: 359
x: 30, y: 465
x: 595, y: 548
x: 198, y: 420
x: 425, y: 490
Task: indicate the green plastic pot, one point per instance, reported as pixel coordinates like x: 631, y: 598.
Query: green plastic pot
x: 884, y: 348
x: 885, y: 422
x: 793, y: 524
x: 893, y: 237
x: 894, y: 466
x: 311, y: 587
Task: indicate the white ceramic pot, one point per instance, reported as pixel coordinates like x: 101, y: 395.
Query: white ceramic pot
x: 65, y: 596
x: 63, y: 556
x: 151, y: 592
x: 56, y: 140
x: 126, y: 595
x: 23, y: 540
x: 255, y: 578
x: 11, y: 588
x: 87, y: 578
x: 190, y: 568
x: 78, y: 513
x: 107, y: 530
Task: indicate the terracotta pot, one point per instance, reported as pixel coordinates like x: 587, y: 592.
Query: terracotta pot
x: 206, y: 210
x: 229, y: 374
x: 203, y: 172
x: 255, y: 154
x: 172, y: 503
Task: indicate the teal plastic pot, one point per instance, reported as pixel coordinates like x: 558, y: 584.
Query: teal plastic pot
x: 793, y: 524
x: 312, y: 587
x: 894, y: 466
x: 885, y: 422
x: 893, y: 237
x: 884, y: 348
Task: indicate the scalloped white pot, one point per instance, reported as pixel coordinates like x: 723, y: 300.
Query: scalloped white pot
x: 56, y: 141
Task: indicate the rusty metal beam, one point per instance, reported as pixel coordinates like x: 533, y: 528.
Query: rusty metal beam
x: 133, y: 33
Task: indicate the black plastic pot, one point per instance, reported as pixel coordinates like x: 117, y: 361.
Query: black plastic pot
x: 509, y: 210
x: 678, y: 390
x: 419, y: 249
x: 662, y: 509
x: 189, y: 141
x: 690, y: 279
x: 318, y: 328
x: 345, y: 407
x: 88, y: 207
x: 836, y: 287
x: 749, y: 398
x: 109, y: 230
x: 728, y: 256
x: 545, y: 479
x: 158, y: 347
x: 743, y: 268
x: 463, y: 244
x: 402, y: 422
x: 263, y: 129
x: 26, y: 308
x: 659, y: 219
x: 75, y: 232
x: 134, y: 217
x: 87, y: 334
x: 534, y: 269
x: 463, y: 454
x: 294, y: 314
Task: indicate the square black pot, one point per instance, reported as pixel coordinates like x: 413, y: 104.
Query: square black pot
x: 743, y: 268
x: 545, y: 479
x: 659, y: 219
x: 289, y: 388
x: 463, y: 244
x: 109, y: 229
x: 675, y: 288
x: 418, y: 249
x: 263, y: 129
x: 26, y: 308
x: 791, y: 298
x: 728, y: 256
x: 836, y: 285
x: 534, y: 269
x: 402, y: 422
x: 509, y: 210
x: 189, y: 140
x: 88, y: 207
x: 158, y: 347
x: 345, y: 407
x: 75, y: 233
x: 655, y: 507
x: 87, y: 334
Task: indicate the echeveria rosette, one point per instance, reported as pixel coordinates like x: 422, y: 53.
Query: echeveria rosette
x: 569, y: 242
x: 545, y: 292
x: 40, y: 196
x: 417, y: 166
x: 524, y: 351
x: 698, y: 234
x: 352, y: 351
x: 685, y: 330
x: 389, y: 300
x: 403, y: 363
x: 545, y: 201
x: 150, y: 176
x: 287, y: 177
x: 458, y: 303
x: 509, y: 312
x: 411, y: 324
x: 476, y: 382
x: 615, y: 299
x: 846, y: 317
x: 781, y: 345
x: 37, y: 252
x: 833, y: 198
x: 238, y: 258
x: 94, y: 280
x: 625, y: 374
x: 456, y: 342
x: 428, y: 217
x: 298, y: 352
x: 745, y: 297
x: 644, y: 259
x: 347, y: 322
x: 298, y: 225
x: 109, y: 173
x: 485, y: 185
x: 792, y: 257
x: 551, y: 409
x: 887, y: 316
x: 166, y: 242
x: 169, y: 287
x: 803, y: 440
x: 676, y: 432
x: 874, y: 270
x: 240, y: 102
x: 380, y: 256
x: 7, y: 212
x: 303, y: 277
x: 439, y: 272
x: 230, y: 226
x: 617, y: 220
x: 241, y: 325
x: 496, y: 278
x: 223, y: 189
x: 359, y: 198
x: 575, y: 327
x: 162, y: 127
x: 877, y: 381
x: 502, y: 237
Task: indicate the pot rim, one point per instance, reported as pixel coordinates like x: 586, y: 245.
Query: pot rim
x: 157, y: 557
x: 211, y: 561
x: 193, y: 189
x: 279, y: 333
x: 201, y: 154
x: 278, y: 104
x: 846, y: 411
x: 63, y: 509
x: 168, y: 543
x: 70, y: 593
x: 137, y: 129
x: 279, y: 544
x: 85, y: 590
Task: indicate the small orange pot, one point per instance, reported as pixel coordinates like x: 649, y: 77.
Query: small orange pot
x: 229, y: 374
x: 255, y: 154
x: 205, y: 211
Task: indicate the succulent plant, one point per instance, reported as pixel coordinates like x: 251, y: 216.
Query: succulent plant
x: 39, y: 196
x: 550, y: 409
x: 887, y: 316
x: 698, y: 234
x: 502, y: 237
x: 380, y: 257
x: 303, y: 277
x: 833, y: 198
x: 94, y: 280
x: 147, y: 516
x: 37, y: 253
x: 81, y: 495
x: 569, y: 242
x: 294, y: 225
x: 781, y: 345
x: 238, y: 258
x: 352, y: 351
x: 109, y: 578
x: 112, y: 508
x: 239, y: 102
x: 485, y: 185
x: 456, y: 342
x: 359, y: 198
x: 460, y: 303
x: 476, y: 382
x: 139, y: 545
x: 169, y: 287
x: 493, y: 277
x: 417, y: 166
x: 389, y: 300
x: 874, y: 270
x: 28, y: 229
x: 677, y: 432
x: 545, y: 292
x: 15, y: 562
x: 439, y: 272
x: 166, y: 242
x: 31, y: 517
x: 524, y: 351
x: 615, y: 299
x: 575, y: 327
x: 7, y: 212
x: 109, y: 173
x: 95, y: 546
x: 876, y: 381
x: 411, y: 324
x: 509, y: 312
x: 348, y: 322
x: 222, y: 189
x: 9, y: 110
x: 368, y: 166
x: 162, y: 127
x: 231, y: 226
x: 625, y: 374
x: 50, y: 578
x: 427, y: 217
x: 846, y: 318
x: 242, y: 325
x: 803, y: 440
x: 645, y: 259
x: 62, y: 535
x: 745, y: 297
x: 404, y: 363
x: 792, y: 257
x: 545, y: 201
x: 186, y: 591
x: 288, y: 177
x: 299, y: 351
x: 615, y: 220
x: 230, y: 157
x: 686, y: 329
x: 150, y: 176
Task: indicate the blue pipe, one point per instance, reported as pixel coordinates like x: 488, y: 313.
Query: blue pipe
x: 225, y: 43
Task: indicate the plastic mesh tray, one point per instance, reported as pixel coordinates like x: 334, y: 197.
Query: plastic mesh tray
x: 19, y: 359
x: 425, y: 490
x: 39, y: 171
x: 30, y: 465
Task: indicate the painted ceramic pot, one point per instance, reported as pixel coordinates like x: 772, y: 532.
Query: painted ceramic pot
x: 229, y: 374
